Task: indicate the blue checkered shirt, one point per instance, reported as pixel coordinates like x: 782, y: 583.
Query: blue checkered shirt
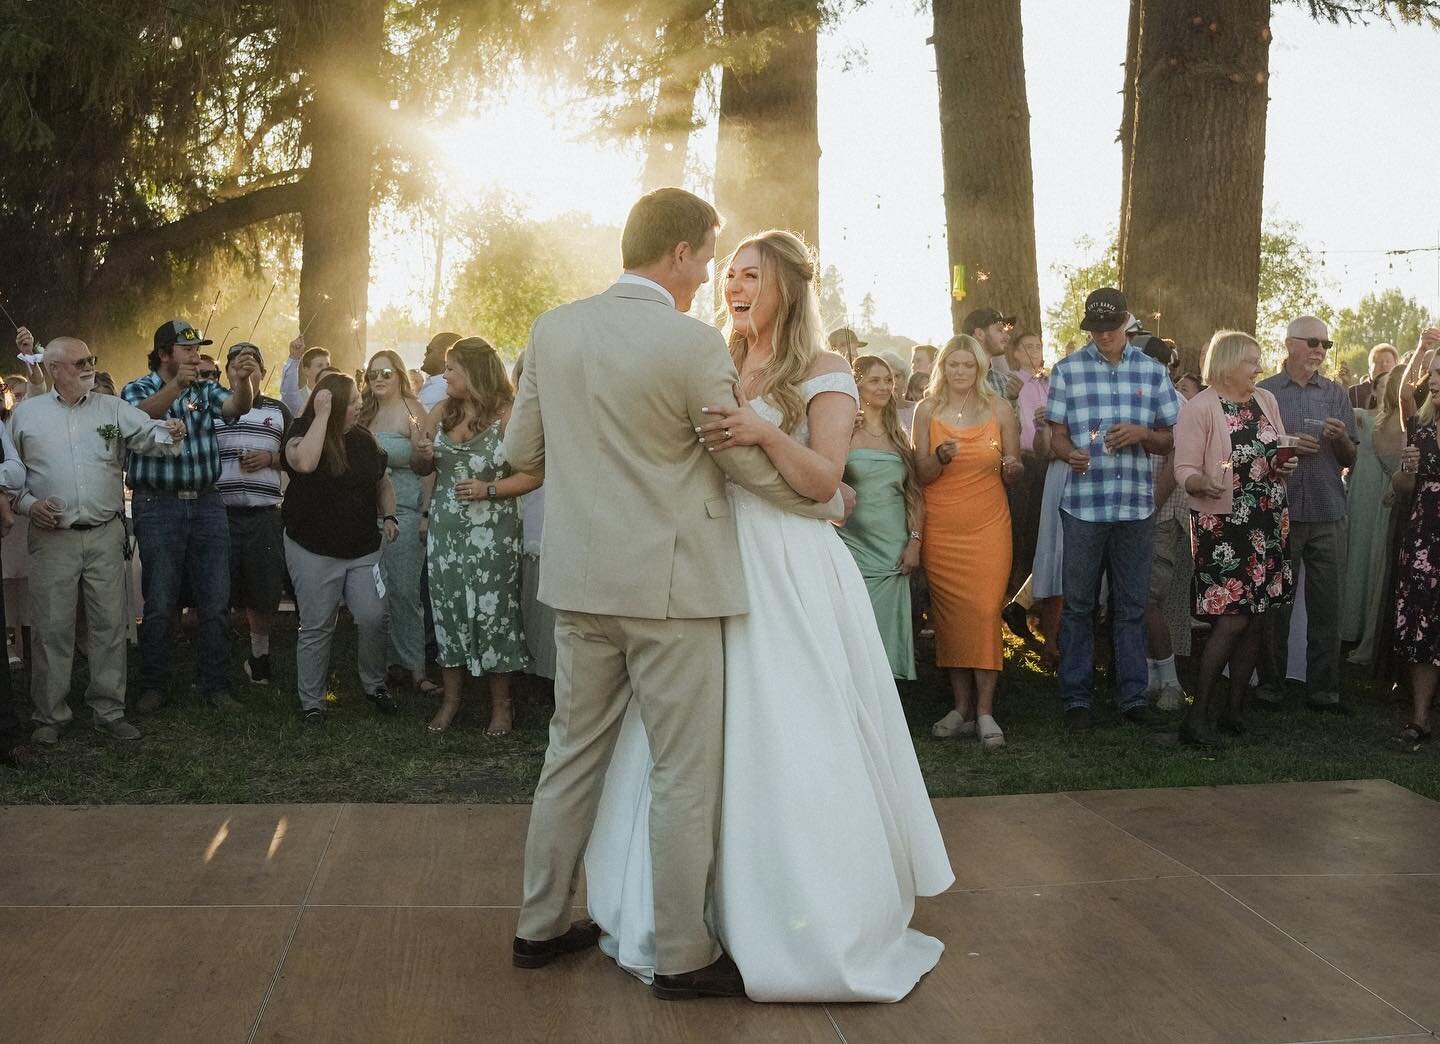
x: 1087, y: 395
x: 1315, y: 491
x: 198, y: 464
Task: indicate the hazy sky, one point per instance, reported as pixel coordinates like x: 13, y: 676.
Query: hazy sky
x: 1353, y: 154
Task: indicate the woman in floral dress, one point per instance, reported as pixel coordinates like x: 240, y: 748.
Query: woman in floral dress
x: 474, y: 554
x: 1226, y: 447
x: 1417, y: 572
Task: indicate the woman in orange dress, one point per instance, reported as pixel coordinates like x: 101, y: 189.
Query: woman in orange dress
x: 967, y: 448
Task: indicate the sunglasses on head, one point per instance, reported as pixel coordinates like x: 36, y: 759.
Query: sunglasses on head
x: 1315, y: 342
x: 377, y: 375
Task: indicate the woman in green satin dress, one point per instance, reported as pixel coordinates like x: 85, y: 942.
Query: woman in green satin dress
x: 883, y: 532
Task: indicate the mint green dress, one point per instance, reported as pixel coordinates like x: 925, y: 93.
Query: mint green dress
x: 474, y: 561
x: 403, y: 562
x: 876, y: 536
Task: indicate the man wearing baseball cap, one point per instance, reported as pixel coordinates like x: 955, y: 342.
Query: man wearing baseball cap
x: 180, y: 521
x: 1110, y: 408
x: 992, y: 330
x: 846, y: 342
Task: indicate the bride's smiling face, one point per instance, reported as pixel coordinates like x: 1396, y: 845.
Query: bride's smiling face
x: 751, y: 294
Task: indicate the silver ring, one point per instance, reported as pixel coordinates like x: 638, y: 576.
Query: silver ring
x: 727, y: 433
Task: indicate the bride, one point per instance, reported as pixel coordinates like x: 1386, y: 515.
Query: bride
x: 827, y: 834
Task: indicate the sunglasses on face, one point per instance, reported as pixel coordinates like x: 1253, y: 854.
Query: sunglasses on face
x: 90, y: 361
x: 378, y: 375
x: 1315, y: 342
x: 208, y: 375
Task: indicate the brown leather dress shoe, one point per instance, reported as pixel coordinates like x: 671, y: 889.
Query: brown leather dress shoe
x: 721, y: 979
x: 527, y: 953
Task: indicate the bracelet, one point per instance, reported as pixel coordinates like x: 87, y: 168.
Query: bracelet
x: 425, y: 514
x: 915, y: 536
x: 389, y: 518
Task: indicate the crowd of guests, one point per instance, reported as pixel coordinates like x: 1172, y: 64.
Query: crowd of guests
x: 361, y: 495
x: 1110, y: 495
x: 1283, y: 519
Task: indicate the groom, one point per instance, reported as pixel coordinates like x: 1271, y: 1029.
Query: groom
x: 640, y: 561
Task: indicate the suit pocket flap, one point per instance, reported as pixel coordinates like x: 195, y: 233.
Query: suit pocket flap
x: 718, y: 508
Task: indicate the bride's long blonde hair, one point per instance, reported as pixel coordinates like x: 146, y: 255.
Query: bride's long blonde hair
x: 798, y: 336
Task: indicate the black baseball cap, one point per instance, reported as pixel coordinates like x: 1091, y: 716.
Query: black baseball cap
x: 1105, y: 309
x: 985, y: 317
x: 178, y: 331
x: 245, y: 346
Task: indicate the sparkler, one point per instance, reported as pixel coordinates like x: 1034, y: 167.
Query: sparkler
x: 263, y: 306
x: 205, y: 330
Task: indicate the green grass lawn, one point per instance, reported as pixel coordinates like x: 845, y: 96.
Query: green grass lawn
x: 191, y: 753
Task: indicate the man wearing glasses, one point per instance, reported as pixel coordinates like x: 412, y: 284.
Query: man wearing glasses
x: 72, y: 443
x: 250, y: 448
x: 180, y: 520
x: 1317, y: 410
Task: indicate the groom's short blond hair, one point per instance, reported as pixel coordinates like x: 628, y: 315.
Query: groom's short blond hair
x: 661, y: 220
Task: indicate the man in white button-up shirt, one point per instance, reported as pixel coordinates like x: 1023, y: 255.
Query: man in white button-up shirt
x: 72, y: 445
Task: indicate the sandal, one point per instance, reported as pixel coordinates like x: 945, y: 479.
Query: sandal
x: 444, y: 716
x: 991, y: 738
x: 1412, y: 737
x: 952, y: 725
x: 507, y: 706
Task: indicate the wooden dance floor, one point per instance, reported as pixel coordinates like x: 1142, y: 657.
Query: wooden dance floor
x: 1305, y: 912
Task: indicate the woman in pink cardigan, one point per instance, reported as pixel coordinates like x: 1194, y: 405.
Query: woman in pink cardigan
x: 1232, y: 456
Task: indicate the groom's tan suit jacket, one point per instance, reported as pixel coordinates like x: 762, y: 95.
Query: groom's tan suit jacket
x: 640, y: 559
x: 636, y: 518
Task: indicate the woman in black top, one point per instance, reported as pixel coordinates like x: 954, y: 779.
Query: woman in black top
x: 338, y: 499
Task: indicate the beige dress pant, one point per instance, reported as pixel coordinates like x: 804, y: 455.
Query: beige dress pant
x: 66, y: 564
x: 675, y: 671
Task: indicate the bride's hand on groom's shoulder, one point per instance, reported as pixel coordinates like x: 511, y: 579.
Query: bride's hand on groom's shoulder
x: 733, y: 424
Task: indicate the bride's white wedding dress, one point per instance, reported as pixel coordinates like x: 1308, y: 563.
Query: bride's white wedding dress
x: 827, y: 833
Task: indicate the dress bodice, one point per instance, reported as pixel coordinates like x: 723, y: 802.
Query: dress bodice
x: 406, y: 483
x: 841, y: 382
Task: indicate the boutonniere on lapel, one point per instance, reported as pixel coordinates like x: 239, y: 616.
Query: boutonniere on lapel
x: 108, y: 432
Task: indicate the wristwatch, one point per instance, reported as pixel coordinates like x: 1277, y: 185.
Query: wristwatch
x: 491, y: 492
x: 915, y: 536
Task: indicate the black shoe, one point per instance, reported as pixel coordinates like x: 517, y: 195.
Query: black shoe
x: 1231, y: 726
x: 1146, y: 716
x: 721, y: 979
x: 313, y: 718
x: 257, y: 669
x: 1077, y: 719
x: 1014, y: 616
x: 581, y: 935
x: 384, y: 702
x: 1201, y: 737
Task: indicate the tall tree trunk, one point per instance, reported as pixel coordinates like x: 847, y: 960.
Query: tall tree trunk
x: 1192, y: 239
x: 668, y: 140
x: 344, y: 41
x: 1127, y: 126
x: 767, y: 166
x: 985, y: 150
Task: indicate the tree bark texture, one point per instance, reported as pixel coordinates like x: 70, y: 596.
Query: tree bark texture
x: 985, y: 151
x: 668, y: 139
x: 1192, y: 232
x: 767, y: 166
x: 344, y: 41
x: 1127, y: 122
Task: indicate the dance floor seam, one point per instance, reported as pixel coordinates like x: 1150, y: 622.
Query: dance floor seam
x: 1287, y: 913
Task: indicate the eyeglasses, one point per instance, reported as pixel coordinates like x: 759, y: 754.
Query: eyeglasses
x: 1315, y: 342
x: 376, y: 375
x: 208, y: 375
x: 85, y: 362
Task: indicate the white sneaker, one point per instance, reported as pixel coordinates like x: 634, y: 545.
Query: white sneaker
x: 1171, y: 698
x: 952, y: 725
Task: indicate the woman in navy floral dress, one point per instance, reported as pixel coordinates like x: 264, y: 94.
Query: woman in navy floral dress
x: 1417, y: 572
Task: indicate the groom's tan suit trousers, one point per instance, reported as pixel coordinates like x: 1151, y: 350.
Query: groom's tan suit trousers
x: 640, y: 560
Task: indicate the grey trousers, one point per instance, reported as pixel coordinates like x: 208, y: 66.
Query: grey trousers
x: 320, y: 583
x: 1321, y: 546
x: 66, y: 564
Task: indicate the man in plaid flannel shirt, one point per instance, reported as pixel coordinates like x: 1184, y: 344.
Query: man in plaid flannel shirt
x: 1110, y: 408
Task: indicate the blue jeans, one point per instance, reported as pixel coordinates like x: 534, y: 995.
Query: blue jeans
x: 183, y: 539
x: 1126, y: 548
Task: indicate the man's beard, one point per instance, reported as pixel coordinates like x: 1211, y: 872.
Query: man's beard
x: 87, y: 384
